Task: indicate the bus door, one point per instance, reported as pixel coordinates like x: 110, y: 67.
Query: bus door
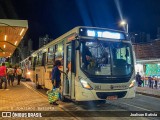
x: 68, y: 70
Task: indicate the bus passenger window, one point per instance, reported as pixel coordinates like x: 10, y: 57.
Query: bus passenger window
x: 51, y: 55
x: 59, y: 53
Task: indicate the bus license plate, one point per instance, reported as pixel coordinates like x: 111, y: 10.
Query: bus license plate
x: 111, y: 98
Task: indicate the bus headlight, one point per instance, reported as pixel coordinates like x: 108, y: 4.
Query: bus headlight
x: 28, y: 73
x: 132, y: 84
x: 85, y: 84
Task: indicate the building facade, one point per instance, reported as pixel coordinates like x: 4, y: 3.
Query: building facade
x: 44, y: 40
x: 148, y: 58
x: 149, y: 50
x: 23, y: 51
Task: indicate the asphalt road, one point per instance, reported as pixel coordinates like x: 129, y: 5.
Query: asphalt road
x: 118, y: 109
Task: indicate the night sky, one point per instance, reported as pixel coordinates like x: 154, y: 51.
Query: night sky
x: 55, y: 17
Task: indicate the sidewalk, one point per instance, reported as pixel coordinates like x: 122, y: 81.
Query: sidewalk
x: 23, y: 98
x: 148, y: 91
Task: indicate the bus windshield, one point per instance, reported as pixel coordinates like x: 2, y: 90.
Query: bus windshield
x: 106, y: 58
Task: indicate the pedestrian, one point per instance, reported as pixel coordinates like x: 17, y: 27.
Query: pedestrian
x: 138, y: 79
x: 56, y: 77
x: 19, y: 74
x: 152, y: 83
x: 150, y: 80
x: 156, y: 83
x: 15, y: 75
x: 3, y: 76
x: 10, y: 73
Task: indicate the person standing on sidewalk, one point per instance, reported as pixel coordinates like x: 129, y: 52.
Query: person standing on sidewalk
x: 3, y: 76
x: 150, y: 80
x: 19, y: 74
x: 56, y: 76
x: 15, y: 69
x: 138, y: 79
x: 156, y: 82
x: 10, y: 73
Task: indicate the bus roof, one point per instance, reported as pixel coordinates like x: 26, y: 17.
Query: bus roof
x: 74, y: 32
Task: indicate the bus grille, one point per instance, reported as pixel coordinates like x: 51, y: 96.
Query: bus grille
x: 104, y: 95
x: 110, y: 80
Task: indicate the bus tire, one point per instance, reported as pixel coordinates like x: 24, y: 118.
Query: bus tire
x: 28, y: 79
x: 77, y: 102
x: 99, y: 101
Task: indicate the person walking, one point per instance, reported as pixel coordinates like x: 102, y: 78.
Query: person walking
x: 10, y: 73
x: 56, y: 77
x: 19, y: 74
x: 3, y: 76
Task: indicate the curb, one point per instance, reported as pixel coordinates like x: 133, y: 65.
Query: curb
x: 157, y: 96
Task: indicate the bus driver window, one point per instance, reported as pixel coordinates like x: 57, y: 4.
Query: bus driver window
x: 105, y: 56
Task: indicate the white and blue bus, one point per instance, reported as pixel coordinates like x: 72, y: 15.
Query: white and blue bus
x: 101, y: 60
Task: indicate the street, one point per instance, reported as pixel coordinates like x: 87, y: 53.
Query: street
x: 26, y: 98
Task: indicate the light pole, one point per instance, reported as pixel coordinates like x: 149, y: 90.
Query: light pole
x: 125, y: 24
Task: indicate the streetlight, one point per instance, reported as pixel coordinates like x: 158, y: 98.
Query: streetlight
x: 124, y: 23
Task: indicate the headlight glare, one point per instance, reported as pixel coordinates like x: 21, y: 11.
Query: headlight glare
x: 132, y: 84
x: 85, y: 84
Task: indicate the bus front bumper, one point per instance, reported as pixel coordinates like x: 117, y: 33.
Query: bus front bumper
x: 87, y: 95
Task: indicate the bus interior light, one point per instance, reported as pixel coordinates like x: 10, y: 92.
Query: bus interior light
x: 85, y: 84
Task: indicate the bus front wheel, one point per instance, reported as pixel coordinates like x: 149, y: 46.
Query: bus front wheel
x: 99, y: 101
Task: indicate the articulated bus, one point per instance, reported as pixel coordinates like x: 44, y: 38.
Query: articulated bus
x: 102, y: 64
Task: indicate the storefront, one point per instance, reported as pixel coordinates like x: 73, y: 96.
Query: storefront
x: 148, y: 68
